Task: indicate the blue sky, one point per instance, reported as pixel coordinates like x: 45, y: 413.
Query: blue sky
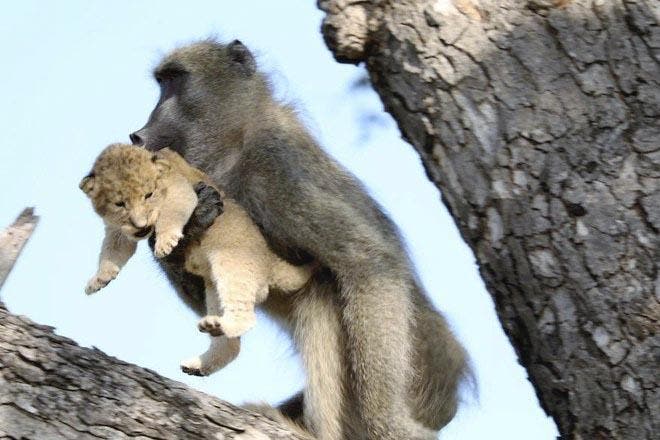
x: 76, y: 77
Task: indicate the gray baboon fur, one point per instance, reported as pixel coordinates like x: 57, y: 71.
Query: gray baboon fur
x: 381, y: 363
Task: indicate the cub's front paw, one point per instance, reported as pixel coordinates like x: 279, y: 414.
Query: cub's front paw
x: 165, y: 242
x: 211, y: 324
x: 101, y: 279
x: 193, y: 366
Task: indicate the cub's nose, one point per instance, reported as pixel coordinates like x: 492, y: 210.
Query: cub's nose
x: 137, y: 222
x: 136, y: 138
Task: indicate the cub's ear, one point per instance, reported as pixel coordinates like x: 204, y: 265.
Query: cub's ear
x: 87, y: 183
x: 242, y: 58
x: 162, y: 164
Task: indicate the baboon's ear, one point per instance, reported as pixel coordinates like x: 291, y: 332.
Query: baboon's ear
x: 87, y: 183
x: 242, y: 58
x: 162, y: 164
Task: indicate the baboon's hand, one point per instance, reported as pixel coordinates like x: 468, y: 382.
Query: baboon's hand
x: 209, y: 206
x: 105, y: 274
x: 165, y: 242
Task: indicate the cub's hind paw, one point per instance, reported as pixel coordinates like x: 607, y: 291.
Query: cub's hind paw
x: 193, y: 367
x: 211, y: 324
x: 165, y: 242
x: 231, y: 325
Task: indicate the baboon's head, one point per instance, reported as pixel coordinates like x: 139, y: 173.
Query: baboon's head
x: 207, y: 91
x: 124, y: 188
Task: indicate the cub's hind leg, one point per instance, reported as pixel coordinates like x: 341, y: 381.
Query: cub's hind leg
x: 239, y: 280
x: 222, y: 350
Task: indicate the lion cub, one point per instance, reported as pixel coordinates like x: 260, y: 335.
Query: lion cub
x: 139, y: 193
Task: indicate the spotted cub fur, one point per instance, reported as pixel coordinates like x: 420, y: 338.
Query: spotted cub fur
x: 138, y: 193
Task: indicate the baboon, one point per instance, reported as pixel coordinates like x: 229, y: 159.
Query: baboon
x: 381, y: 362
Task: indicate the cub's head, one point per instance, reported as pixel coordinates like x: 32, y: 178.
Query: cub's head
x: 124, y: 186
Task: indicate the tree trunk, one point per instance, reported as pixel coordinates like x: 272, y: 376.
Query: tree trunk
x: 539, y: 120
x: 50, y: 388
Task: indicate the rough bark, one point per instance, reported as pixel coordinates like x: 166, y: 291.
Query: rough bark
x: 539, y: 121
x: 12, y: 240
x: 50, y: 388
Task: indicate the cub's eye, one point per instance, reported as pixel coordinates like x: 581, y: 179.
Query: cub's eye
x: 120, y: 204
x: 146, y: 196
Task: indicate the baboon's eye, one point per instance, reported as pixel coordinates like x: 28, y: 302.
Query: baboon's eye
x: 169, y: 73
x: 120, y: 204
x: 147, y: 195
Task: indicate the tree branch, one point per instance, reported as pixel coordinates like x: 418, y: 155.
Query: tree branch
x: 13, y: 239
x: 50, y: 388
